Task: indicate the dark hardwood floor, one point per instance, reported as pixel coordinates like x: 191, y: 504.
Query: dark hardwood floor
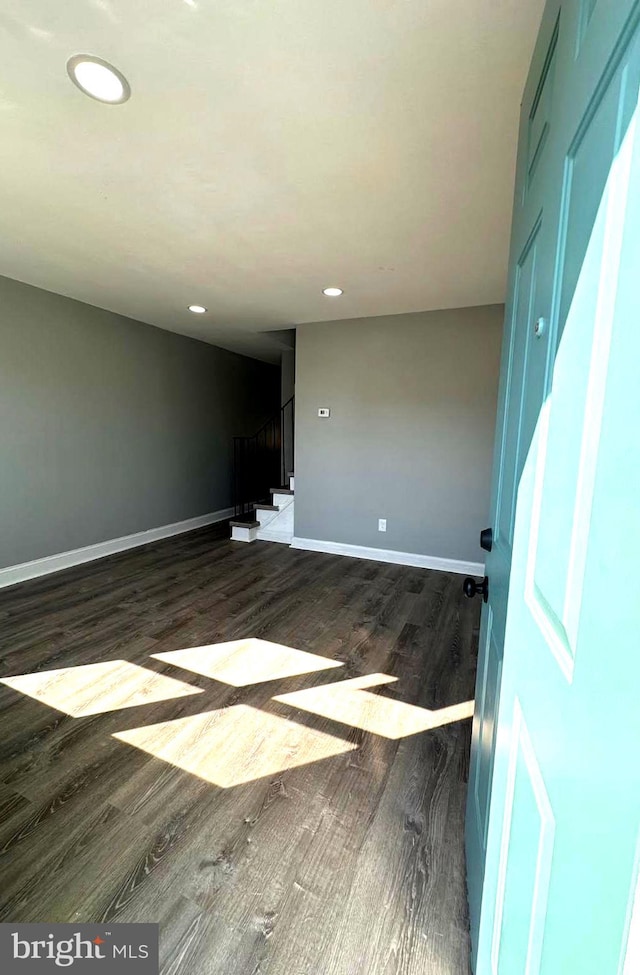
x: 266, y: 838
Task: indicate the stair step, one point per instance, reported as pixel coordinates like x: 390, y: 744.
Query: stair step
x: 244, y: 524
x: 267, y: 507
x: 281, y: 490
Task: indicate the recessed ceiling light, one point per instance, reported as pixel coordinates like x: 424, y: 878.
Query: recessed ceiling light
x: 332, y: 292
x: 197, y: 309
x: 98, y: 79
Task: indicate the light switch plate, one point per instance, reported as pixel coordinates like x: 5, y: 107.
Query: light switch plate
x: 324, y: 412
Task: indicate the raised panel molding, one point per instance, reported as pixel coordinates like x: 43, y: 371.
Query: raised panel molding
x: 540, y: 114
x: 524, y: 293
x: 522, y: 748
x: 586, y: 12
x: 490, y: 688
x: 553, y: 592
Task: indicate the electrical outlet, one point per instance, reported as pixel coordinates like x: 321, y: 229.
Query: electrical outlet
x: 382, y: 524
x: 324, y: 412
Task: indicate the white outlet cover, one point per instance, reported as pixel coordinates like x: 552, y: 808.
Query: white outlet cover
x: 382, y: 524
x: 324, y: 411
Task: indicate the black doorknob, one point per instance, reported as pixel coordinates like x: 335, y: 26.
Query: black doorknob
x: 486, y: 539
x: 472, y: 588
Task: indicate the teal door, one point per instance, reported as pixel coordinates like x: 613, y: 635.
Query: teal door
x: 553, y: 810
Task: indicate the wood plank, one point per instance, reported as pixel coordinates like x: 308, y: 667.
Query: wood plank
x: 255, y: 849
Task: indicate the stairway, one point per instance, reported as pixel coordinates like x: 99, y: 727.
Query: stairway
x: 268, y: 522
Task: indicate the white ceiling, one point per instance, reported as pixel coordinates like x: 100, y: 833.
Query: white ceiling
x: 270, y: 148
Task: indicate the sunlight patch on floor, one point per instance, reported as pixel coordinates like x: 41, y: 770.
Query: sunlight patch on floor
x: 245, y: 662
x: 349, y: 703
x: 97, y: 688
x: 234, y: 745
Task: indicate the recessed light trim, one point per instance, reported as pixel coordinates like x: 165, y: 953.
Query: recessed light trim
x: 197, y: 309
x: 98, y: 79
x: 332, y: 292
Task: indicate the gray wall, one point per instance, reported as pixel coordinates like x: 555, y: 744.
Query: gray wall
x: 410, y: 438
x: 109, y: 426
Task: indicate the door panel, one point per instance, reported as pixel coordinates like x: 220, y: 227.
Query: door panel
x: 525, y: 859
x: 587, y: 167
x: 526, y: 359
x: 526, y: 381
x: 525, y: 286
x: 549, y: 887
x: 539, y: 123
x: 489, y: 687
x: 586, y: 9
x: 567, y: 467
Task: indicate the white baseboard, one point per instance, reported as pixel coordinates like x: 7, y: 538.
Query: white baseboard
x: 385, y: 555
x: 274, y: 535
x: 65, y: 560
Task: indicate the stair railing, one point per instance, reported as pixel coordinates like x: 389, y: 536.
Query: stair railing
x: 287, y: 439
x: 262, y: 461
